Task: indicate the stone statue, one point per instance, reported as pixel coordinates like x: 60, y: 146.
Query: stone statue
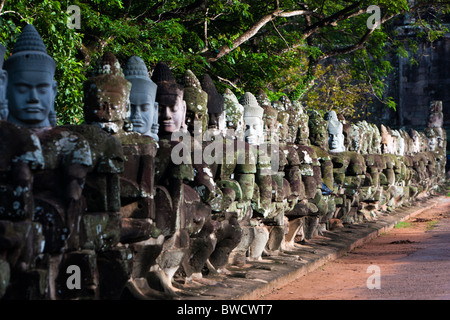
x: 387, y: 141
x: 437, y: 136
x: 58, y: 187
x: 270, y: 116
x: 107, y: 107
x: 335, y: 134
x: 169, y: 96
x: 253, y: 118
x: 435, y: 117
x: 143, y: 108
x: 196, y: 104
x: 215, y: 105
x: 303, y: 118
x: 107, y: 96
x: 234, y: 114
x: 318, y: 134
x: 21, y: 238
x: 31, y: 89
x: 283, y: 120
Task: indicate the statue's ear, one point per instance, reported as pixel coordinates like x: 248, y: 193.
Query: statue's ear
x: 184, y: 111
x: 155, y: 112
x: 3, y: 78
x: 4, y: 102
x: 54, y: 88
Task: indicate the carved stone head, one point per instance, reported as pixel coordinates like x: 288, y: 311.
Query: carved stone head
x: 31, y: 89
x: 215, y: 104
x: 196, y: 103
x: 387, y: 141
x: 355, y: 138
x: 107, y: 95
x: 335, y: 133
x: 376, y: 139
x: 318, y: 133
x: 234, y: 113
x: 435, y: 116
x: 415, y: 146
x: 270, y: 115
x: 253, y: 118
x: 172, y: 107
x: 143, y: 107
x: 432, y: 139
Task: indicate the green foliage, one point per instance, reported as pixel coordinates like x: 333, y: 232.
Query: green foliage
x: 281, y: 57
x: 336, y: 89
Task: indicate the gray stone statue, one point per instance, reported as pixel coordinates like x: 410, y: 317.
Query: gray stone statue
x: 169, y: 96
x: 31, y: 89
x: 253, y: 118
x: 234, y: 114
x: 335, y: 134
x: 196, y: 104
x: 215, y: 104
x: 143, y: 108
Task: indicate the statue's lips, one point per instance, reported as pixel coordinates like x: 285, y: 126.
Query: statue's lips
x: 252, y: 139
x: 138, y: 124
x: 33, y: 109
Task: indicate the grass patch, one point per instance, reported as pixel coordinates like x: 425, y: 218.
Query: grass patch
x: 403, y: 224
x: 431, y: 224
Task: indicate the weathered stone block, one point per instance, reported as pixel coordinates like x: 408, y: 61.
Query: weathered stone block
x: 99, y: 231
x: 247, y: 183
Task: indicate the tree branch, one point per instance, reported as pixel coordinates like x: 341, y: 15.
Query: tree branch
x: 359, y: 45
x: 2, y: 3
x: 225, y: 49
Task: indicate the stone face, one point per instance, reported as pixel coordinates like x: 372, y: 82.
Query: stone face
x: 30, y: 61
x: 234, y: 113
x: 335, y: 133
x: 196, y: 103
x: 143, y: 109
x: 169, y: 96
x: 302, y: 121
x: 318, y: 133
x: 253, y: 118
x: 107, y: 95
x: 215, y: 104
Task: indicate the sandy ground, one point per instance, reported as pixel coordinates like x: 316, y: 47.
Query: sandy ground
x: 411, y: 262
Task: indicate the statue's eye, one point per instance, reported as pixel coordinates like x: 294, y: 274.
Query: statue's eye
x: 43, y: 89
x: 21, y: 88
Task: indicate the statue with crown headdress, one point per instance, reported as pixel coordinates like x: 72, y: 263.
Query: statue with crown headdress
x: 143, y: 106
x: 58, y: 187
x: 21, y: 238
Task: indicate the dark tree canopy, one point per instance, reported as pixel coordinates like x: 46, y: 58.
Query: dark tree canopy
x: 280, y: 46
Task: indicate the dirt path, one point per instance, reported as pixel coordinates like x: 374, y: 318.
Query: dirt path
x: 412, y: 261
